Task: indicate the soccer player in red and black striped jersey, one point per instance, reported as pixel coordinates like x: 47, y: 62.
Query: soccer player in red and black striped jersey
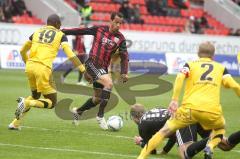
x: 80, y: 51
x: 107, y: 39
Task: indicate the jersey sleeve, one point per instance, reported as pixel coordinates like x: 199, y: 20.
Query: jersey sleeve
x: 123, y: 53
x: 225, y: 72
x: 31, y: 37
x: 64, y: 38
x: 142, y: 129
x: 25, y: 48
x: 81, y: 31
x: 185, y: 70
x: 229, y: 82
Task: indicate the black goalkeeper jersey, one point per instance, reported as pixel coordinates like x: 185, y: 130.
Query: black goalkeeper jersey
x: 151, y: 122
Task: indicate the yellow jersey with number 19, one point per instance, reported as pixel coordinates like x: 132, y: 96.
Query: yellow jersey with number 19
x: 203, y: 83
x: 45, y: 45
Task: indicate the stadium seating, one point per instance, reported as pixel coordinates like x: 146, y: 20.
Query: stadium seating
x: 102, y: 8
x: 26, y: 19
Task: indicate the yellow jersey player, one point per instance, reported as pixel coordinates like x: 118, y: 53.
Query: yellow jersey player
x: 201, y: 100
x: 43, y: 44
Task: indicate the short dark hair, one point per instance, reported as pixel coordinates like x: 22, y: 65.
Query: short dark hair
x: 114, y: 14
x: 53, y: 19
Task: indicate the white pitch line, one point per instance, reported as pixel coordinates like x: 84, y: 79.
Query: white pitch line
x: 67, y: 150
x: 75, y: 131
x: 70, y: 150
x: 238, y: 151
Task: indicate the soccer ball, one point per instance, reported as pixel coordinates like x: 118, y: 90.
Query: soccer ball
x: 115, y: 123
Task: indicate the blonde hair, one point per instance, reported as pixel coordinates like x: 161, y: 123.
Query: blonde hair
x: 206, y: 49
x: 137, y: 110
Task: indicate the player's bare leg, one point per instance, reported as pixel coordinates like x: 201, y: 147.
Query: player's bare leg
x: 48, y: 102
x: 106, y: 81
x: 52, y: 97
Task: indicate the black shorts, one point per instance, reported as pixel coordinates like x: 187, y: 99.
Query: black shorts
x: 189, y: 134
x: 82, y: 57
x: 94, y: 71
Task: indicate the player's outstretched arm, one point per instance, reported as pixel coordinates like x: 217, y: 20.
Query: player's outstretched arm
x: 80, y: 31
x: 72, y: 57
x: 178, y: 84
x: 176, y: 92
x: 229, y: 82
x: 25, y: 49
x: 124, y: 61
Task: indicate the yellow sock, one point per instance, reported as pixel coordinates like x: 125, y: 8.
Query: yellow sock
x: 216, y: 137
x: 39, y: 103
x: 152, y: 144
x: 17, y: 122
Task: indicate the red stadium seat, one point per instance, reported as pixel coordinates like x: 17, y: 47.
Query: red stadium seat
x: 143, y: 10
x: 102, y: 9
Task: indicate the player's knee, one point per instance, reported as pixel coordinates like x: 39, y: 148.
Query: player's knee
x: 224, y: 145
x: 36, y: 95
x: 165, y: 131
x: 96, y: 100
x: 108, y: 83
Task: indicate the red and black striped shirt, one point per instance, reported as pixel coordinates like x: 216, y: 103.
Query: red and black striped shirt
x: 79, y: 45
x: 105, y: 43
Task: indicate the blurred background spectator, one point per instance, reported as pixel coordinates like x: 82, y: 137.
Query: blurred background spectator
x: 233, y: 32
x: 2, y: 17
x: 192, y: 26
x: 19, y: 8
x: 203, y: 21
x: 119, y: 1
x: 131, y: 13
x: 86, y: 11
x: 156, y: 7
x: 237, y: 1
x: 181, y: 3
x: 135, y: 14
x: 126, y: 11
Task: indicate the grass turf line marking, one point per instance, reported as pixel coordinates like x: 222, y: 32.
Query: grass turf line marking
x: 70, y: 150
x: 75, y: 131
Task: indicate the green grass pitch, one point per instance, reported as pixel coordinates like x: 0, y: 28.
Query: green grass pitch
x: 44, y: 135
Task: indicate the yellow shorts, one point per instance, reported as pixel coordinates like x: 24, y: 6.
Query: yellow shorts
x: 185, y: 116
x: 40, y: 78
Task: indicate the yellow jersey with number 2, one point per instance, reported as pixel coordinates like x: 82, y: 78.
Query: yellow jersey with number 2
x: 203, y: 83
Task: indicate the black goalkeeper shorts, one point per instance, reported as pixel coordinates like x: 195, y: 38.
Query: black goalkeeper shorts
x: 189, y: 134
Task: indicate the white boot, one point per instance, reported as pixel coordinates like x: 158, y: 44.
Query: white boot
x: 102, y: 123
